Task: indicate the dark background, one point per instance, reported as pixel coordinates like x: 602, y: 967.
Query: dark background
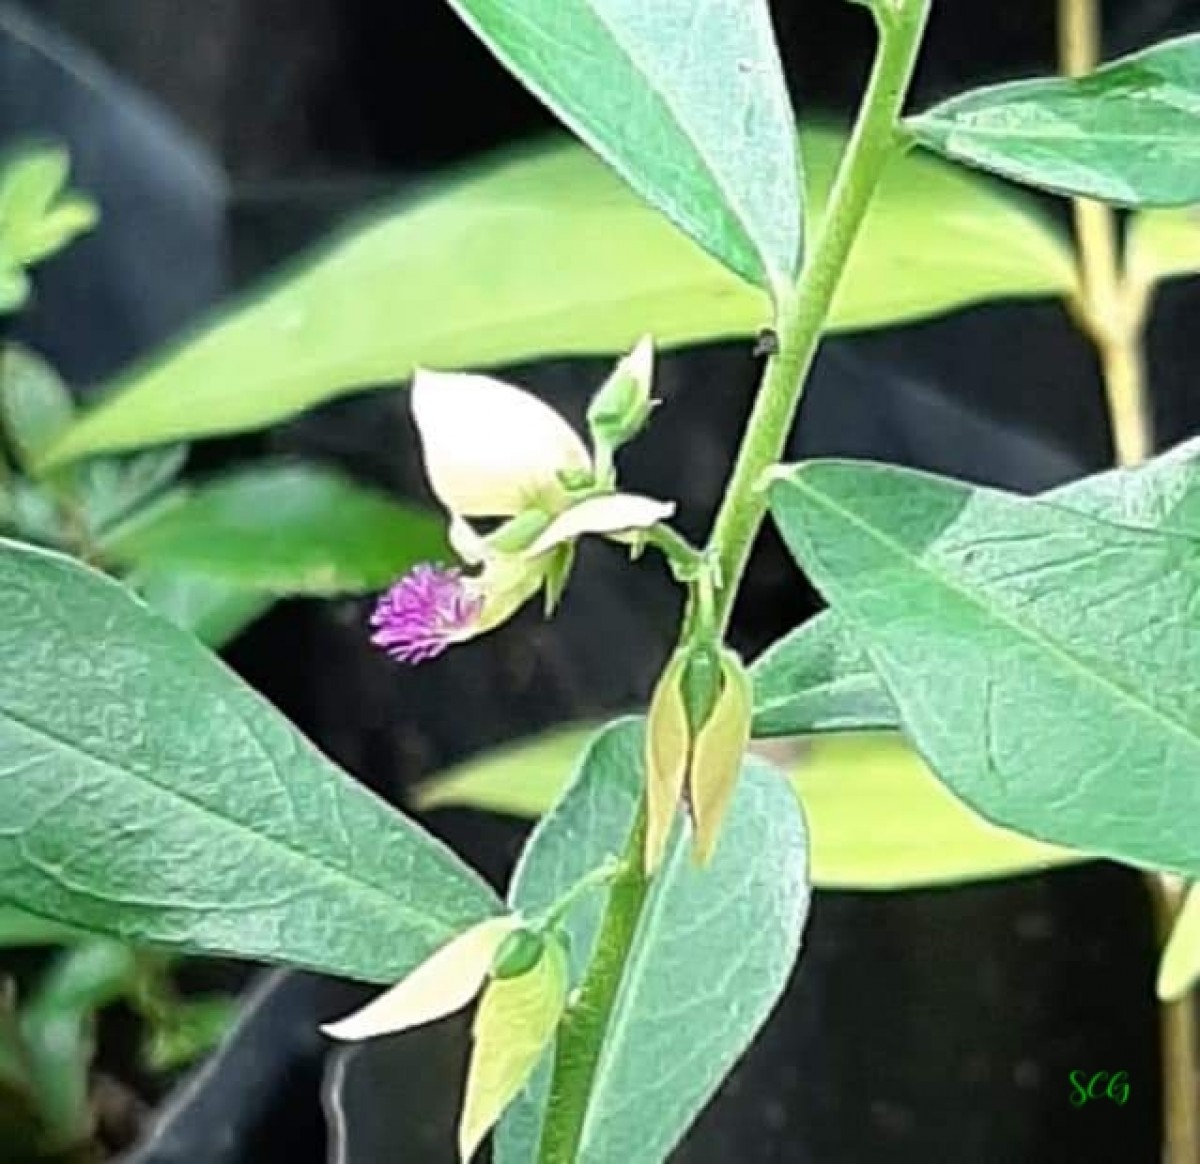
x: 921, y: 1026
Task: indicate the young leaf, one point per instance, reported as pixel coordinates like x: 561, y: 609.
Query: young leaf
x: 713, y: 950
x: 285, y: 529
x: 687, y: 103
x: 1128, y: 133
x: 549, y: 253
x: 150, y: 795
x: 1180, y: 965
x: 1040, y: 659
x: 35, y: 405
x: 1163, y: 244
x: 515, y: 1022
x: 38, y: 216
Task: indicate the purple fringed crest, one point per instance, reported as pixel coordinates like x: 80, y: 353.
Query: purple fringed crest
x: 423, y: 613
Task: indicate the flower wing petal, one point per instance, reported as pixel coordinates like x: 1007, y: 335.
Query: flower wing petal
x: 608, y: 514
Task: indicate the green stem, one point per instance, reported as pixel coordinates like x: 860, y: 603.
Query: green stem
x: 803, y: 314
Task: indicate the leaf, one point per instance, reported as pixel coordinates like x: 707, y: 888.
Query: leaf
x: 150, y: 795
x: 687, y: 103
x: 713, y: 950
x: 1128, y: 133
x: 879, y: 819
x: 110, y: 489
x: 1180, y: 965
x: 549, y: 253
x: 193, y: 1027
x: 215, y: 612
x: 515, y: 1022
x: 19, y: 928
x: 284, y: 529
x: 522, y: 779
x: 38, y: 216
x: 1163, y: 244
x: 1041, y: 660
x: 35, y: 405
x: 817, y: 679
x: 14, y: 285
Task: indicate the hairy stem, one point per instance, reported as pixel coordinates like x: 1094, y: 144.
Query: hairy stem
x: 802, y: 319
x: 1112, y: 308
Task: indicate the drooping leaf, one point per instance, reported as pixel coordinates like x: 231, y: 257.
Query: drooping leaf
x: 713, y: 950
x: 548, y: 253
x: 283, y: 529
x: 515, y: 1022
x: 1180, y: 964
x: 1128, y: 133
x: 1043, y: 661
x: 818, y: 679
x: 1163, y: 244
x: 687, y: 103
x: 148, y: 794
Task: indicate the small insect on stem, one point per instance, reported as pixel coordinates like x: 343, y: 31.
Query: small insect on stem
x: 766, y: 343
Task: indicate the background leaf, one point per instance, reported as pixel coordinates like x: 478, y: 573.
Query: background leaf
x: 688, y: 103
x: 1042, y: 661
x: 1128, y: 133
x: 285, y: 529
x: 215, y: 612
x: 1163, y: 244
x: 150, y: 795
x: 35, y: 405
x: 714, y: 949
x: 549, y: 253
x: 38, y: 215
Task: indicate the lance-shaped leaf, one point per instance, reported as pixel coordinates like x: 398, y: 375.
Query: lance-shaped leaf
x: 1163, y: 244
x: 1042, y: 660
x: 1128, y: 133
x: 147, y: 793
x: 686, y: 101
x: 549, y: 253
x: 713, y: 950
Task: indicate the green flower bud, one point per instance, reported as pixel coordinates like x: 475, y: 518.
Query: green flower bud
x: 620, y: 410
x: 518, y: 954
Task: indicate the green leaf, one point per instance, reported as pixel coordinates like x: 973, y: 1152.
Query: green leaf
x: 14, y: 284
x: 522, y: 779
x: 1128, y: 133
x: 1163, y: 244
x: 38, y: 216
x: 284, y: 529
x: 549, y: 253
x: 817, y: 678
x: 193, y: 1027
x: 110, y: 489
x: 879, y: 819
x: 687, y: 103
x: 713, y: 950
x: 215, y: 612
x: 20, y: 928
x: 1180, y: 965
x: 516, y: 1021
x: 150, y: 795
x: 1041, y: 660
x: 35, y: 406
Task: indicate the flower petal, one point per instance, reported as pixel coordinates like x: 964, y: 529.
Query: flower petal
x: 442, y: 984
x: 609, y: 514
x: 490, y: 449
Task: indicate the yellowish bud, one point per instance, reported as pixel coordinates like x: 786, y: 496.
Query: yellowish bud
x: 668, y: 743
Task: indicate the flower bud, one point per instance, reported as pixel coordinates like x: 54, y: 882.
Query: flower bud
x: 620, y: 410
x: 717, y: 755
x: 668, y: 744
x: 518, y: 953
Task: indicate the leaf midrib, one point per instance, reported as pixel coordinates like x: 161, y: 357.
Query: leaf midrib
x: 1029, y: 634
